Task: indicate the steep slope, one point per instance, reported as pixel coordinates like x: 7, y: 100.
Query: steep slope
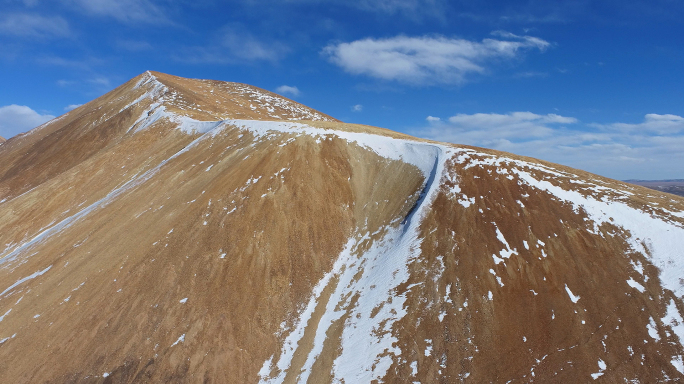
x: 69, y: 140
x: 179, y: 230
x: 2, y: 140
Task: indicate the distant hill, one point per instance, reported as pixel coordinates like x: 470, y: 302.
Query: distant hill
x: 193, y: 231
x: 673, y: 186
x: 2, y: 140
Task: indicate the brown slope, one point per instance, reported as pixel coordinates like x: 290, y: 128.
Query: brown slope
x: 241, y: 280
x: 315, y: 216
x: 244, y: 226
x: 530, y: 331
x: 56, y: 146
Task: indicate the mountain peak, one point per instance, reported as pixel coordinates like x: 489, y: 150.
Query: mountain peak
x: 209, y: 100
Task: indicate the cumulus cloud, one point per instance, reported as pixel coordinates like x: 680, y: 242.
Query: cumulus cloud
x: 427, y: 60
x: 288, y: 90
x: 34, y: 26
x: 128, y: 11
x: 15, y: 119
x: 357, y: 108
x: 648, y: 150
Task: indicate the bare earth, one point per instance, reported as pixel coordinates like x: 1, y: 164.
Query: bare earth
x: 194, y: 231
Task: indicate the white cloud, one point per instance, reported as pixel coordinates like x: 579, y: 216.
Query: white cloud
x: 357, y: 108
x: 32, y: 25
x: 489, y: 128
x: 433, y: 119
x: 648, y: 150
x: 286, y: 89
x: 427, y: 60
x: 15, y: 119
x: 71, y: 107
x: 128, y: 11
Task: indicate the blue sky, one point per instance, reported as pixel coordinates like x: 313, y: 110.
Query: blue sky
x: 596, y: 85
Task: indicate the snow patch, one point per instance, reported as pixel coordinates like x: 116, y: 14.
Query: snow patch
x: 602, y: 368
x: 367, y: 342
x: 181, y: 339
x: 24, y: 279
x: 636, y: 285
x: 573, y: 298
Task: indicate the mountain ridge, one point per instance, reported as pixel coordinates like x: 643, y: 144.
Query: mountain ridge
x: 156, y: 236
x: 673, y: 186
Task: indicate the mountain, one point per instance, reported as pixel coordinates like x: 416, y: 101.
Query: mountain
x: 178, y: 230
x: 2, y: 140
x: 675, y: 186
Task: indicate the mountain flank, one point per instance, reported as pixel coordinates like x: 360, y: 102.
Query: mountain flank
x: 183, y: 230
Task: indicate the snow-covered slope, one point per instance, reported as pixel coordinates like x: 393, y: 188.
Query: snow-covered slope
x: 182, y: 230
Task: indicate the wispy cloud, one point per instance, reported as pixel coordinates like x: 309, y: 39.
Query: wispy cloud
x: 411, y: 8
x: 90, y: 83
x: 71, y: 107
x: 65, y: 83
x: 428, y: 60
x: 648, y: 150
x: 133, y: 45
x: 127, y: 11
x: 530, y: 74
x: 84, y: 64
x: 288, y: 90
x: 489, y: 129
x: 653, y: 123
x: 15, y: 119
x: 34, y: 26
x: 235, y: 45
x: 357, y: 108
x: 100, y: 81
